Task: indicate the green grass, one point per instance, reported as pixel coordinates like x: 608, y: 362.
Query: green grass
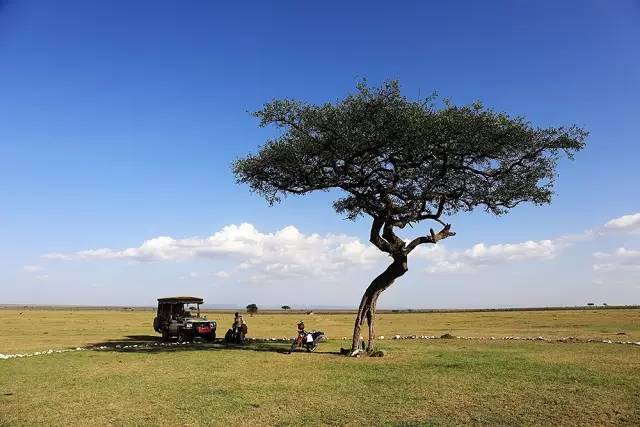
x: 422, y: 382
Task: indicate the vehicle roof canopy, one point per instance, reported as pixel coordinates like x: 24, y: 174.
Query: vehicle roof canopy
x: 182, y: 300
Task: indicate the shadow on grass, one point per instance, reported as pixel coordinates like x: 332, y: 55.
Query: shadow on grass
x: 154, y: 344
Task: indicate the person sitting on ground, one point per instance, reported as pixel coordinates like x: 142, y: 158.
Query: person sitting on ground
x: 238, y: 321
x: 301, y: 330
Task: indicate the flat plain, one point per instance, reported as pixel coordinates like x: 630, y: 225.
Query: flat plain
x: 420, y: 382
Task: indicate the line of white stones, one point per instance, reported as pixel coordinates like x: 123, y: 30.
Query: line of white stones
x: 119, y: 347
x: 39, y: 353
x: 516, y: 338
x: 285, y: 339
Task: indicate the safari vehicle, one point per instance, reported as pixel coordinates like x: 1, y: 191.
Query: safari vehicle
x: 179, y: 317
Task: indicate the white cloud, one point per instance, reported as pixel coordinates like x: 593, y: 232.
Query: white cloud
x: 489, y: 254
x: 621, y: 259
x: 32, y: 268
x: 288, y: 253
x: 481, y: 254
x: 440, y: 259
x: 443, y: 260
x: 283, y: 253
x: 445, y: 266
x: 355, y: 251
x: 627, y: 223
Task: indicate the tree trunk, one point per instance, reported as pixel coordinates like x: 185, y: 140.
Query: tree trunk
x: 367, y: 309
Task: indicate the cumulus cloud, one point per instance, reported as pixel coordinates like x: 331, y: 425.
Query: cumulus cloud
x: 289, y: 253
x: 443, y: 260
x: 467, y: 260
x: 283, y: 253
x: 626, y: 223
x: 440, y: 259
x: 621, y: 259
x: 489, y: 254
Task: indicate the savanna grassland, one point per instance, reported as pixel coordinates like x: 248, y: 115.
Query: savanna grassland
x: 419, y: 382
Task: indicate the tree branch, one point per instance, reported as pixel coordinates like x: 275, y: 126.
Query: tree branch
x: 438, y: 213
x: 432, y: 238
x: 396, y: 243
x: 375, y: 238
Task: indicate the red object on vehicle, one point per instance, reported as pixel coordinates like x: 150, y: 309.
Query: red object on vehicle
x: 204, y: 329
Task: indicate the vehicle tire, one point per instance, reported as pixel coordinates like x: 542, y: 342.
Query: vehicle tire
x: 165, y: 335
x: 182, y: 336
x: 312, y: 346
x: 211, y: 337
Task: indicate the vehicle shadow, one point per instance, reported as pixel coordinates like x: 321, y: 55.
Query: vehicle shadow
x: 154, y: 344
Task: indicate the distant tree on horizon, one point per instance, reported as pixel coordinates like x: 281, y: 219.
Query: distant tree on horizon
x: 400, y: 162
x: 285, y: 307
x: 252, y: 309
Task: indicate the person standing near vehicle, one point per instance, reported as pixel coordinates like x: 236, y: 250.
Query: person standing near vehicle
x: 301, y: 333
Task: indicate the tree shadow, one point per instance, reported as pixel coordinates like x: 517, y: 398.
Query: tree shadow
x: 154, y: 344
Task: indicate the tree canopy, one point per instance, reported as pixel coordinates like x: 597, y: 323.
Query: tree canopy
x: 403, y: 161
x: 252, y: 309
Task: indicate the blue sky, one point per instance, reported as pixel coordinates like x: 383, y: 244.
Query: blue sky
x: 119, y: 120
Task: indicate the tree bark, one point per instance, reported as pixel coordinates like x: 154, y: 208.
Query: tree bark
x: 367, y: 309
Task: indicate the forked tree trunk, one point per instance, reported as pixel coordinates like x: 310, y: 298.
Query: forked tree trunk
x: 367, y: 309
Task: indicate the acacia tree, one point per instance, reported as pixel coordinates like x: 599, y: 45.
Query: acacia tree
x: 401, y: 162
x: 252, y: 309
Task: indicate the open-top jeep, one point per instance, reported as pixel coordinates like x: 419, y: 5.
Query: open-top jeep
x: 179, y: 317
